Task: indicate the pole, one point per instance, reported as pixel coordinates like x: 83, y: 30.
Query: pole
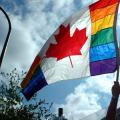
x: 117, y: 46
x: 7, y: 37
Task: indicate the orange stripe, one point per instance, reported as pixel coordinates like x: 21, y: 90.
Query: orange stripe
x: 28, y: 77
x: 101, y: 13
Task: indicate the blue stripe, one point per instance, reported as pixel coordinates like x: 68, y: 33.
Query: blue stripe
x: 102, y: 52
x: 37, y: 72
x: 37, y: 83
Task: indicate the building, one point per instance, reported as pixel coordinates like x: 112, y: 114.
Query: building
x: 60, y: 115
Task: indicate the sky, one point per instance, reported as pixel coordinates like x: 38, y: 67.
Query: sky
x: 33, y: 21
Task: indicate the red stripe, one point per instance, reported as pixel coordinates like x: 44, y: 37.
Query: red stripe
x: 30, y: 72
x: 102, y: 4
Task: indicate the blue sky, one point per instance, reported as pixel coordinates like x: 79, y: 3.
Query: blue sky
x: 33, y: 21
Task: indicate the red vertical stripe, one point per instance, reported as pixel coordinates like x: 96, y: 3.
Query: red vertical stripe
x: 102, y: 4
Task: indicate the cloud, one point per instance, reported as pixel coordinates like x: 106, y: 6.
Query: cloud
x: 88, y: 97
x: 21, y: 48
x: 87, y: 2
x: 48, y: 17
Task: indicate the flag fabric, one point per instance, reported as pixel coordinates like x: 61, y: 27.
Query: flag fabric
x: 85, y: 45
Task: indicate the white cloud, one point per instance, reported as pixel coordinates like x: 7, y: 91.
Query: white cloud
x: 21, y: 48
x: 87, y: 97
x: 42, y: 17
x: 86, y: 2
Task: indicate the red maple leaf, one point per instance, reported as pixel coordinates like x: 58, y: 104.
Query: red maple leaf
x: 67, y: 45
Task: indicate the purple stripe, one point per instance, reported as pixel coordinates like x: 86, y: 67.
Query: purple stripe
x: 102, y: 67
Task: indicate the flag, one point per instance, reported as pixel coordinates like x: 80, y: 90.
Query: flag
x: 85, y: 45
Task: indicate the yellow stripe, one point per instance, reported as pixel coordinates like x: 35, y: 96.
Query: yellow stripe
x: 103, y: 23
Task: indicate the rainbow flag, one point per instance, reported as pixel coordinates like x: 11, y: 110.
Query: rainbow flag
x: 103, y: 41
x: 84, y: 45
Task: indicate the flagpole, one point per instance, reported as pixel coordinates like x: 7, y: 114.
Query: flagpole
x: 116, y: 45
x: 71, y: 61
x: 117, y: 77
x: 7, y: 37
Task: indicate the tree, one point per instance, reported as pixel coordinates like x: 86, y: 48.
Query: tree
x: 13, y: 106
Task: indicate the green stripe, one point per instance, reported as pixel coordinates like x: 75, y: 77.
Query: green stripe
x: 103, y: 37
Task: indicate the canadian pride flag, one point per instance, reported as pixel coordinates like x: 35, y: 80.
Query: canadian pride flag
x: 84, y: 45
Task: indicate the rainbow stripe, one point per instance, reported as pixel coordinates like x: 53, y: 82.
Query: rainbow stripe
x: 103, y: 49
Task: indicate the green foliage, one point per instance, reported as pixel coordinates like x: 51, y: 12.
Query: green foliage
x: 14, y: 107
